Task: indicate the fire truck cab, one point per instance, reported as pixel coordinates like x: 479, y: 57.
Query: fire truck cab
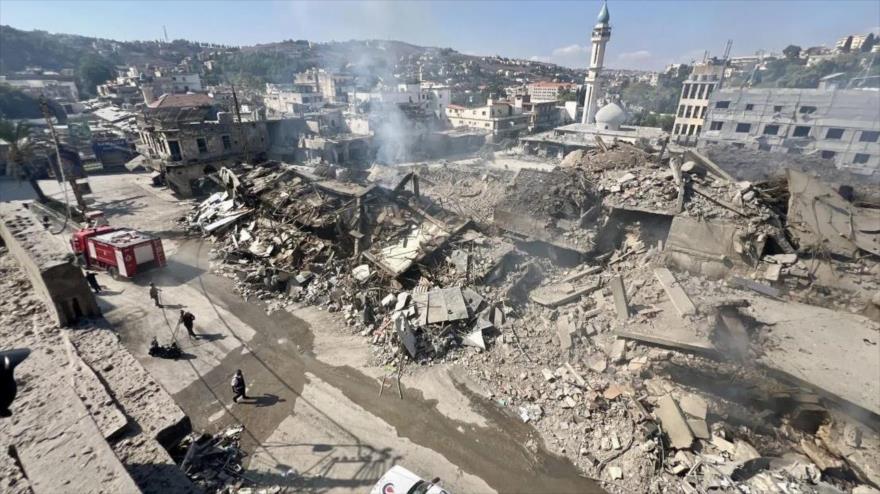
x: 120, y: 251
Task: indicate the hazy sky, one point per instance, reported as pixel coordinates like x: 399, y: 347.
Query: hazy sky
x: 646, y: 34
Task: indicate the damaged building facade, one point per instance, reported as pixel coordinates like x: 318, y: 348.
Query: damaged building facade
x: 184, y: 137
x: 840, y: 125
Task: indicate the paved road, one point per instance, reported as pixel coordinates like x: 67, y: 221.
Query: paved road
x: 316, y: 409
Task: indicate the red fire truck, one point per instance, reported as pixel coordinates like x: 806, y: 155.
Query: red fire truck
x: 121, y: 251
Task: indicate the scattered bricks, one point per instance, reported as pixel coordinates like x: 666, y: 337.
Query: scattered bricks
x: 674, y: 423
x: 548, y: 375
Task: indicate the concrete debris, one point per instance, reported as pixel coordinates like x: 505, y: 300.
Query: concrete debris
x: 214, y: 462
x: 594, y: 300
x: 674, y: 423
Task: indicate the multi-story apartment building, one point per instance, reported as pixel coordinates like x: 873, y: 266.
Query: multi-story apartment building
x: 548, y: 91
x: 840, y: 125
x: 497, y: 118
x: 694, y: 101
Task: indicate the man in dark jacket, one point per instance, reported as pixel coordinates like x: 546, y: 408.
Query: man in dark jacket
x: 187, y: 319
x: 238, y: 388
x: 154, y: 294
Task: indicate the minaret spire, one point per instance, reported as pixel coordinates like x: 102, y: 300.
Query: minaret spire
x: 601, y: 35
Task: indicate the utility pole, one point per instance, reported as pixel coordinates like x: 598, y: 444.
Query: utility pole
x: 241, y: 134
x: 44, y: 107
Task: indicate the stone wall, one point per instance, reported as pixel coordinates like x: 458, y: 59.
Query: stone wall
x: 48, y: 264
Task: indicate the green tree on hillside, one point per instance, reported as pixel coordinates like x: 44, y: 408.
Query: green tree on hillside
x: 94, y: 70
x: 792, y: 52
x: 21, y: 154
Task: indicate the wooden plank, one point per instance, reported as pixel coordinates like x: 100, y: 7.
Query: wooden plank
x: 676, y: 294
x: 619, y: 294
x: 560, y: 293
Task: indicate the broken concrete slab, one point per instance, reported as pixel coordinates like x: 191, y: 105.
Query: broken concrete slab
x: 618, y: 351
x: 702, y: 247
x: 474, y: 339
x: 819, y: 218
x: 565, y: 327
x: 694, y: 406
x: 699, y: 427
x: 831, y: 352
x: 675, y: 292
x: 621, y: 305
x: 667, y: 329
x: 674, y: 423
x: 441, y: 305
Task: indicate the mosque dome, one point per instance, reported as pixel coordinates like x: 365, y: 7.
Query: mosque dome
x: 610, y: 116
x: 603, y: 17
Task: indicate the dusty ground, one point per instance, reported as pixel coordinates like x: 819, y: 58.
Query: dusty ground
x: 316, y: 409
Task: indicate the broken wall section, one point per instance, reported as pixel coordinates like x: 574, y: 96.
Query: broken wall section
x: 48, y: 264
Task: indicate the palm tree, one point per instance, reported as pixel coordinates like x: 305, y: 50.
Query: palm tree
x: 21, y: 154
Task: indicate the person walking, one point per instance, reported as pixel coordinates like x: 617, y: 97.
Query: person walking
x: 154, y: 294
x: 92, y: 279
x: 238, y: 387
x: 187, y: 319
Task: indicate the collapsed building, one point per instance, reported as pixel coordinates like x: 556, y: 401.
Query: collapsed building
x: 602, y: 300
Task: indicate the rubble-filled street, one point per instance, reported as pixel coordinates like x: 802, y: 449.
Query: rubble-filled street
x: 293, y: 250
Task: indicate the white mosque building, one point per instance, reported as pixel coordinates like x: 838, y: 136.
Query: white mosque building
x: 606, y: 123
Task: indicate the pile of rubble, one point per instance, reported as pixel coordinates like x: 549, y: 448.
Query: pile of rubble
x: 214, y: 462
x: 604, y: 303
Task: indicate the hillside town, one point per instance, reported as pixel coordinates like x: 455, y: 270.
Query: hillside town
x: 371, y: 266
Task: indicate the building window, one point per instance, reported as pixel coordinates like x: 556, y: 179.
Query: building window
x: 869, y: 136
x: 202, y: 144
x: 722, y: 104
x: 687, y: 112
x: 827, y: 155
x: 777, y: 108
x: 716, y: 125
x: 807, y: 109
x: 227, y: 143
x: 750, y: 107
x: 484, y: 113
x: 743, y: 127
x: 834, y: 134
x: 699, y: 129
x: 801, y: 131
x: 677, y: 129
x: 771, y: 130
x: 860, y: 158
x: 681, y: 112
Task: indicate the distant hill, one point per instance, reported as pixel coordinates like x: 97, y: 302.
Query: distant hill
x: 369, y: 61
